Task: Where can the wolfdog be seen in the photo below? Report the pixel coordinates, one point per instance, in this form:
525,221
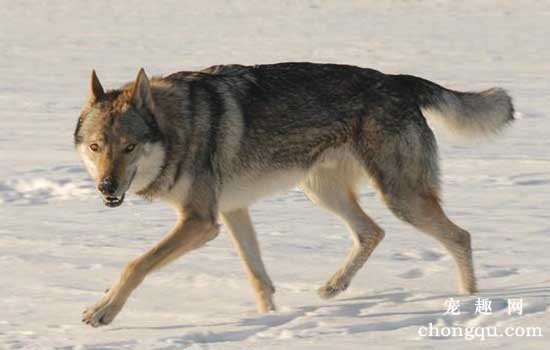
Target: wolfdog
212,142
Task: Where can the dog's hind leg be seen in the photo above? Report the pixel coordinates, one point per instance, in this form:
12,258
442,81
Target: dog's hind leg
334,190
242,232
403,165
425,213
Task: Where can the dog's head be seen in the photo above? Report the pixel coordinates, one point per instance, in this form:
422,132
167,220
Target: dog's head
118,138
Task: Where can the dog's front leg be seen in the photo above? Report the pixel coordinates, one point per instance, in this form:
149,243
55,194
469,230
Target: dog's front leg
190,233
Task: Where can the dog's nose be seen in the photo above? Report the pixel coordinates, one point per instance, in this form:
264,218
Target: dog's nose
107,186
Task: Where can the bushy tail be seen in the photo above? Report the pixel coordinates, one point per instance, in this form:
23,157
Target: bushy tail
468,114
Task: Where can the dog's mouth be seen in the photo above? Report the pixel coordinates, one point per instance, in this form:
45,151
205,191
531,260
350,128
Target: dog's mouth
113,201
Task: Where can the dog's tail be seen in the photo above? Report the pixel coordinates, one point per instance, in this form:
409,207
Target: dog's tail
467,114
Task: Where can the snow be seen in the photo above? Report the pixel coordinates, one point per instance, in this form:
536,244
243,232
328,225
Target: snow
60,247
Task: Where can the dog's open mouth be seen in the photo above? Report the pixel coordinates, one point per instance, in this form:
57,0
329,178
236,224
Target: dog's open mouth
113,201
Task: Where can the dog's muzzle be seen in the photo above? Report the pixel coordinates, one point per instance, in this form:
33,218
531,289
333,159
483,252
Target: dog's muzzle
113,201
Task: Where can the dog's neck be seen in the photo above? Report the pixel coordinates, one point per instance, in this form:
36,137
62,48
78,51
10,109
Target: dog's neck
151,169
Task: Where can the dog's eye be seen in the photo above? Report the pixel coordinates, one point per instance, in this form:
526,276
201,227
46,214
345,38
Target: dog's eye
94,147
130,148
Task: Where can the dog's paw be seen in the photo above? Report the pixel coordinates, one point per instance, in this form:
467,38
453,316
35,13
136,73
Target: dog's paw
103,312
330,290
468,289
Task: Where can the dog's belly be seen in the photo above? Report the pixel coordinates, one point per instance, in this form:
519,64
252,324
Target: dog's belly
242,191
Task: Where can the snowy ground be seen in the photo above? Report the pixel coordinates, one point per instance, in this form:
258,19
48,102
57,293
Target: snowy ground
60,248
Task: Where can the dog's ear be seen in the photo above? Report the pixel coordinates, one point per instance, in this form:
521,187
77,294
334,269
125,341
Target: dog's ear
96,90
141,94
